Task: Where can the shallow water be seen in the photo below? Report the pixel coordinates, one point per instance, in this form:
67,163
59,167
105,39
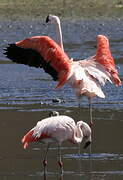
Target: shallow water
26,95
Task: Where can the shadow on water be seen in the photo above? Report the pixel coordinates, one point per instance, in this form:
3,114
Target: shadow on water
26,96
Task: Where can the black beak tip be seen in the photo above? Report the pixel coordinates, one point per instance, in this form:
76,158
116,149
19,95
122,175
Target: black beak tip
47,19
87,144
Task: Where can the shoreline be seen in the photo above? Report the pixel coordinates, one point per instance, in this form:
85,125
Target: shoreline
70,9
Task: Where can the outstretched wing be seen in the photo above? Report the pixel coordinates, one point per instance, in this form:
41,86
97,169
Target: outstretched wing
104,57
43,52
102,65
29,57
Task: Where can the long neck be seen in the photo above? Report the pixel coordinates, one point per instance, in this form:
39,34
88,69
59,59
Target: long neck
86,131
59,35
78,134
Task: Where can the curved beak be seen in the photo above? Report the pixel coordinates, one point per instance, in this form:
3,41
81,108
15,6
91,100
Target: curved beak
87,144
47,19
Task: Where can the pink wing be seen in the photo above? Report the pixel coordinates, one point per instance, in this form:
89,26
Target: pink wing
104,57
43,52
30,137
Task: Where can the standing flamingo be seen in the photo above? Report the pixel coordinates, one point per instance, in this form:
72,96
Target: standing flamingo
57,129
84,76
103,57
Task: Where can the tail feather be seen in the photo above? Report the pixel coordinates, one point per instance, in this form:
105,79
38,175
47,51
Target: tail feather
28,138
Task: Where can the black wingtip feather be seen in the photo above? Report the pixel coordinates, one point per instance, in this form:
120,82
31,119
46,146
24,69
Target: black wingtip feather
29,57
22,56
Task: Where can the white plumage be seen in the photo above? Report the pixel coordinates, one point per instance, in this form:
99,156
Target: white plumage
58,129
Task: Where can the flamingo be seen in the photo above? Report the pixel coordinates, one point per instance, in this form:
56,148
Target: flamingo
103,57
57,129
84,76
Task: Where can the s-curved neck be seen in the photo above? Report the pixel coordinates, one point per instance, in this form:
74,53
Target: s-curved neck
78,134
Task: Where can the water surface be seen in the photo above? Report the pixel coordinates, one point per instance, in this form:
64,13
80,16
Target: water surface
26,96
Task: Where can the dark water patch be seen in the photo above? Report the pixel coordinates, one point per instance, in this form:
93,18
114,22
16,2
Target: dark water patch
56,148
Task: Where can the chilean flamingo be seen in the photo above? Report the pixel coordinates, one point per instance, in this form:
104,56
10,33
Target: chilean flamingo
103,57
57,129
84,76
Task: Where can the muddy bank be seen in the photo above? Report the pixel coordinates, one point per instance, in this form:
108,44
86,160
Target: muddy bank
30,10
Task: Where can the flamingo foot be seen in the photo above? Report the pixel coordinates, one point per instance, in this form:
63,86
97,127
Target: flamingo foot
45,169
45,163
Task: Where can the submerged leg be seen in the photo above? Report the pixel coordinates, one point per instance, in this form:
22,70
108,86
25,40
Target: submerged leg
79,159
79,149
79,101
45,160
60,161
90,111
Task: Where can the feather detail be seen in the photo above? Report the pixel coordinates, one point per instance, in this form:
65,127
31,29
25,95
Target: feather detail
104,57
95,70
43,52
28,138
52,54
84,82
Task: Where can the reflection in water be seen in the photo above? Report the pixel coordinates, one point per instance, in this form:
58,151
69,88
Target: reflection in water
60,177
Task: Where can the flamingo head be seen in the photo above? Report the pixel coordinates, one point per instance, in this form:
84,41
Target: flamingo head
86,130
52,19
53,113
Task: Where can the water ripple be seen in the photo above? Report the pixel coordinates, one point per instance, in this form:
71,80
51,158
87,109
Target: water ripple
100,156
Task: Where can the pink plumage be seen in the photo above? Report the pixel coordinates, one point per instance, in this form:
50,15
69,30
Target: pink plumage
85,76
58,129
51,53
104,57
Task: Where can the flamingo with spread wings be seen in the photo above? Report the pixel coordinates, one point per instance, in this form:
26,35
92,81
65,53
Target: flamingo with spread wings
103,56
84,76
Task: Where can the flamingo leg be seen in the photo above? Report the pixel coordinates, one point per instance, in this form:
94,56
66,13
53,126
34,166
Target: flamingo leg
90,111
79,101
91,124
45,160
79,159
60,161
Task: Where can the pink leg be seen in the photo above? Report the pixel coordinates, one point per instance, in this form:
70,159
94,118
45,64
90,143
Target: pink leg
60,161
45,160
90,110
